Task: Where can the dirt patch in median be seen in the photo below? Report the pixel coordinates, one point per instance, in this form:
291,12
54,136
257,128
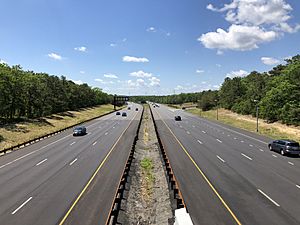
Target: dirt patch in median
147,199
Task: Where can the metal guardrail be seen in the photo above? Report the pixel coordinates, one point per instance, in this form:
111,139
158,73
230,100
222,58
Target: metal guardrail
113,215
24,144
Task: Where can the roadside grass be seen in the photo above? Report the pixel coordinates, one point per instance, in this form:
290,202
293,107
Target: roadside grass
16,133
272,130
148,177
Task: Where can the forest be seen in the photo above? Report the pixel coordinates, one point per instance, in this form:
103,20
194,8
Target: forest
276,93
26,94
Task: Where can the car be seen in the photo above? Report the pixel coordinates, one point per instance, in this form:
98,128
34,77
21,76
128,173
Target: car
80,130
177,118
118,113
136,109
124,114
285,147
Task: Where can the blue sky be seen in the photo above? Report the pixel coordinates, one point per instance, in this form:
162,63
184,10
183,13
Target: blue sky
138,47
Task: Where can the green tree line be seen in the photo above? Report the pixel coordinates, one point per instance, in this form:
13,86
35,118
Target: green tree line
25,94
276,93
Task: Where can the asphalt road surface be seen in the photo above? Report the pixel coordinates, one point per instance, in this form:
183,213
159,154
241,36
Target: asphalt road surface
50,181
228,175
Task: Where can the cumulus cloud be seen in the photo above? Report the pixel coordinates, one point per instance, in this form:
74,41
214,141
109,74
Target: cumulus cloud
82,72
238,73
55,56
2,61
151,29
154,81
77,81
103,82
113,45
238,37
110,75
134,59
253,22
141,74
269,60
200,71
138,83
81,49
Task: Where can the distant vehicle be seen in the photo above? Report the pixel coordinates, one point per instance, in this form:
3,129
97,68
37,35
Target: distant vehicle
124,114
81,130
128,108
285,147
136,109
183,108
178,118
118,113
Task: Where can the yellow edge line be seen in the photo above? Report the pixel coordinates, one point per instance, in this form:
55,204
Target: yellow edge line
203,175
95,173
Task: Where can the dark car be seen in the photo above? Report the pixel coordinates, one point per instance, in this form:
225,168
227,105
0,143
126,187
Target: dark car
118,113
178,118
124,114
79,131
285,147
136,109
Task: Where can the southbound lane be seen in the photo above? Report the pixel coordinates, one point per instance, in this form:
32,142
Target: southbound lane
258,186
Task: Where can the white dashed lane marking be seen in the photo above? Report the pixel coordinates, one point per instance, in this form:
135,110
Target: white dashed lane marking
275,156
41,162
199,142
275,203
222,160
246,156
94,143
73,162
219,140
291,163
73,143
22,205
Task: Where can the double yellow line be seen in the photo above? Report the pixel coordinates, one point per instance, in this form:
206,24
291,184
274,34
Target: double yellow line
203,175
93,176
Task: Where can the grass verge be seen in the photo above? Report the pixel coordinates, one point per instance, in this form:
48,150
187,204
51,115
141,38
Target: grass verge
272,130
148,177
16,133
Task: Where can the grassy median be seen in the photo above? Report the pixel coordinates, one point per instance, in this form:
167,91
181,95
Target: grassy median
16,133
272,130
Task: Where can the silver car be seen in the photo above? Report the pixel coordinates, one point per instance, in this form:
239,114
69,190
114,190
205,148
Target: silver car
285,147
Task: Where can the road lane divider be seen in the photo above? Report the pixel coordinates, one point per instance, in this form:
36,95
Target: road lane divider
275,156
246,156
94,175
39,163
298,186
200,142
201,172
94,143
73,143
222,160
21,206
264,194
219,140
291,163
71,163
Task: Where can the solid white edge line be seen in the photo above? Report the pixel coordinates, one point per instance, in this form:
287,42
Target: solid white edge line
275,203
24,203
291,163
246,156
199,142
94,143
39,163
219,140
220,159
73,162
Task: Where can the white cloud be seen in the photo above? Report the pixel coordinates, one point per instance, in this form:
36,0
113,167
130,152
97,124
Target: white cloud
82,72
104,82
151,29
98,80
55,56
200,71
269,60
218,65
134,59
3,62
154,81
109,75
179,87
239,73
135,84
113,45
141,74
253,22
77,81
81,49
238,37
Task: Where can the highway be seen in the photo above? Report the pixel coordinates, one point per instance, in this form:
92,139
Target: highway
228,175
65,179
